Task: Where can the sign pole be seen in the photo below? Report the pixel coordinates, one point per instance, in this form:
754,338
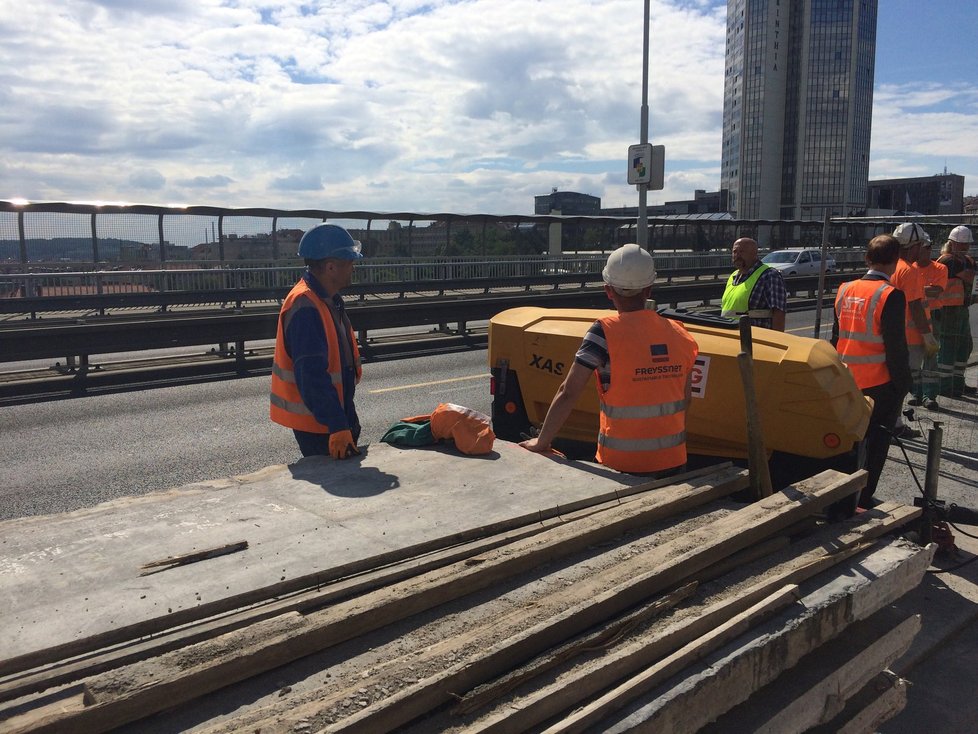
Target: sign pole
642,238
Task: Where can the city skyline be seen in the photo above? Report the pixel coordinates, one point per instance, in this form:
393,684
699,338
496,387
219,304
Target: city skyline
423,106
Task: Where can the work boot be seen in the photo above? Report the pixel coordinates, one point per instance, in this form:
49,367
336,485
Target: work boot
915,401
931,404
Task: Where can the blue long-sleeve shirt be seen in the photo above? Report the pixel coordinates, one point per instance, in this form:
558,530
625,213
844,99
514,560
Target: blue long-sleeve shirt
305,342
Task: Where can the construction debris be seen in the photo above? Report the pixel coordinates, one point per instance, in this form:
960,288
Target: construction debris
655,607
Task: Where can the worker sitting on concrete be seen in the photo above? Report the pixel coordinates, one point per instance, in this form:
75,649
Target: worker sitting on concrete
317,361
754,288
870,335
642,364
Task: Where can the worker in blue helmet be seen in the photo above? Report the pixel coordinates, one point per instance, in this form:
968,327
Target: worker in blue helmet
317,361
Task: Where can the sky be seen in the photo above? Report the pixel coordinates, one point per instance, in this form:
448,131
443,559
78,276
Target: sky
465,106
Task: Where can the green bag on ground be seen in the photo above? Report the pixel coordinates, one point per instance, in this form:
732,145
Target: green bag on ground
409,434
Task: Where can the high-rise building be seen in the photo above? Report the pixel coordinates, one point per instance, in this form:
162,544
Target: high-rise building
797,107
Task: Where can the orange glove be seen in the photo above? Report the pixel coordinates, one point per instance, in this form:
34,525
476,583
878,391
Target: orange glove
342,445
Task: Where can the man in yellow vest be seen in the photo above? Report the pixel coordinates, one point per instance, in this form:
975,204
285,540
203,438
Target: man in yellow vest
869,333
317,362
642,364
956,342
754,289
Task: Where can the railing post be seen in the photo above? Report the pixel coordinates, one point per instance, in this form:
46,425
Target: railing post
821,277
275,239
95,245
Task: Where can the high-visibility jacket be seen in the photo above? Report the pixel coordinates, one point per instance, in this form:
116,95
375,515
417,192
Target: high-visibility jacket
955,293
736,298
643,410
859,308
908,280
287,408
933,273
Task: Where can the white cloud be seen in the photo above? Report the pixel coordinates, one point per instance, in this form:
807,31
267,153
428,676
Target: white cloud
465,105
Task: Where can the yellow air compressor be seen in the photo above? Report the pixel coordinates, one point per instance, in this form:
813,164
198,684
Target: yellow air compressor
811,412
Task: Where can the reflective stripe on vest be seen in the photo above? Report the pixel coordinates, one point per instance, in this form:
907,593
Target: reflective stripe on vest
736,298
642,444
954,293
633,412
858,306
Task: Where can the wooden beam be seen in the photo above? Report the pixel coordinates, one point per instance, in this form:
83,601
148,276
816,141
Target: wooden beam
655,570
721,682
139,690
814,691
520,526
834,545
49,672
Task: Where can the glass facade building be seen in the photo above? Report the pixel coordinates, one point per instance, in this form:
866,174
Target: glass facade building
797,108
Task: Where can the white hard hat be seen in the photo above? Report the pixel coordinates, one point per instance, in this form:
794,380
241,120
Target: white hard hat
910,233
629,268
961,234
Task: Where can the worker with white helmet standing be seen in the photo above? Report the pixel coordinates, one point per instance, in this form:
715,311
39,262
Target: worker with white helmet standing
920,338
643,366
956,342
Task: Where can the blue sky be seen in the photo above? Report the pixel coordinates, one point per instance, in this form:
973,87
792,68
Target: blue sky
419,105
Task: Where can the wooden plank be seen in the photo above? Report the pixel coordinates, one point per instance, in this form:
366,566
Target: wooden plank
728,677
195,557
816,689
536,521
606,636
656,569
760,472
54,673
834,545
136,691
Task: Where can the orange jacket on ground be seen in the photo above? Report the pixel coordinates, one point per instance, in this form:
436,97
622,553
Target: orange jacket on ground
287,408
643,411
469,429
859,308
908,280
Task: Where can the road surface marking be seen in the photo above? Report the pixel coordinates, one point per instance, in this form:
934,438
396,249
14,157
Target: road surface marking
428,384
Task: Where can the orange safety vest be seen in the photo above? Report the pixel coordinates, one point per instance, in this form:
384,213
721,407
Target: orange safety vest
934,273
643,410
954,294
859,307
908,280
286,407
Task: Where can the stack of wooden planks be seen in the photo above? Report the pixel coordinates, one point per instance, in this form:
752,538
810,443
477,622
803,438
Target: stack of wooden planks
668,608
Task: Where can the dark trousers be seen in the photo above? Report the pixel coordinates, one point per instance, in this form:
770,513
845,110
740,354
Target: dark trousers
887,402
317,444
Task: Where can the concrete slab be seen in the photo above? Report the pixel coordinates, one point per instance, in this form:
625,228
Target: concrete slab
63,577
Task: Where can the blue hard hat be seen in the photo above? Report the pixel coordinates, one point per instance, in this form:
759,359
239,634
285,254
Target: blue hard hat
328,240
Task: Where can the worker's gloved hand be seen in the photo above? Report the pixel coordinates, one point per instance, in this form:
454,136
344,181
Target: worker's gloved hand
342,445
930,344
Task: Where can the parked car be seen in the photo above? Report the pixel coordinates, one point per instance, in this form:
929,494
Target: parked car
799,261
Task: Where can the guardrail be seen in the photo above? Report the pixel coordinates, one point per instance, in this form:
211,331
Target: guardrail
76,340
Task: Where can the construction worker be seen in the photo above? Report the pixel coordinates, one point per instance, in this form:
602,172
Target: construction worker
956,343
317,362
934,278
870,335
920,340
642,364
754,288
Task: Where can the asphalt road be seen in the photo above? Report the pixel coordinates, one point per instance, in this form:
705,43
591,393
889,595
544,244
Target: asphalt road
68,454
